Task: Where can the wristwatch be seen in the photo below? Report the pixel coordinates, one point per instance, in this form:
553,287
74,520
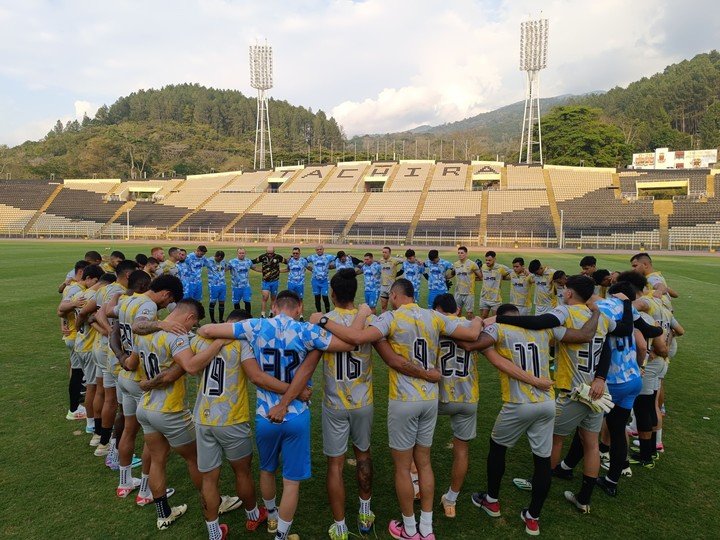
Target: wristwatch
323,321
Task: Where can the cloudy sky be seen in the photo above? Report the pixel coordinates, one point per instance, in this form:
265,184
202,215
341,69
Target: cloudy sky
376,65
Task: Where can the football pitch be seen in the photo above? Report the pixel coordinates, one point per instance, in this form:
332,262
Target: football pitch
51,485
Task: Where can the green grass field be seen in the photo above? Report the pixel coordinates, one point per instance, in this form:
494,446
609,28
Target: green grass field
51,486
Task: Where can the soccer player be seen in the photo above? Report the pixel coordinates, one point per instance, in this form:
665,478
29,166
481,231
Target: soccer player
466,272
217,266
115,258
194,264
270,262
588,265
437,271
492,274
542,278
413,270
91,257
345,260
297,267
414,334
141,260
371,271
643,265
280,345
240,280
320,264
388,265
158,254
459,393
557,287
520,282
151,266
170,266
603,279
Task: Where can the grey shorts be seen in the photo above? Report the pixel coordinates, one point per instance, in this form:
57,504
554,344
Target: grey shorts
411,423
465,302
570,415
130,393
651,378
109,379
522,310
341,425
486,304
87,364
234,441
535,419
178,427
663,372
75,360
100,356
463,419
539,310
385,291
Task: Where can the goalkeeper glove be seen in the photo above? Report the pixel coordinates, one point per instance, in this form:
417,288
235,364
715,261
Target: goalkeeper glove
603,404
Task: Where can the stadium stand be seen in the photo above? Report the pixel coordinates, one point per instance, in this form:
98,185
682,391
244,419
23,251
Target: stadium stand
410,176
22,198
449,177
386,213
449,214
696,178
519,177
346,176
571,182
271,213
308,180
519,213
196,189
327,213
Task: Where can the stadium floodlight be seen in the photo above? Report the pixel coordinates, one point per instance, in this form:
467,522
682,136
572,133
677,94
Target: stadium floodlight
533,58
261,79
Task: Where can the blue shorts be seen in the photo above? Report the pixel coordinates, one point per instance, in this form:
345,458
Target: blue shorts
431,296
291,439
624,394
320,287
218,292
193,290
241,293
271,286
297,288
371,298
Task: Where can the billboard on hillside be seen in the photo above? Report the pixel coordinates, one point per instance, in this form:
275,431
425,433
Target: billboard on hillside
663,158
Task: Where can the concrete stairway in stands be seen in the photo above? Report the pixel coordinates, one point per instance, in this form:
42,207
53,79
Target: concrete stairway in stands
421,205
44,207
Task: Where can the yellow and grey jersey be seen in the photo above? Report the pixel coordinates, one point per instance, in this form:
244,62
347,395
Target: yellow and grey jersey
347,376
388,270
86,334
459,383
68,320
156,353
168,267
222,398
414,333
530,351
559,294
661,316
520,289
107,268
128,309
465,276
576,362
492,277
656,278
543,292
106,295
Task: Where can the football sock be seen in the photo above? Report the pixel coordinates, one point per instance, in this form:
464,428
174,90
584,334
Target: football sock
341,526
236,305
212,314
125,476
254,514
145,486
90,422
326,301
495,469
410,525
604,447
262,314
575,453
542,476
271,507
105,433
214,532
564,467
653,439
317,303
616,421
283,528
658,436
426,523
97,425
74,388
646,449
364,506
162,507
586,489
451,496
221,311
248,308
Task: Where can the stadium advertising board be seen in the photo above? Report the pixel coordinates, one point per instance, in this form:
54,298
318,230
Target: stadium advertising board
663,158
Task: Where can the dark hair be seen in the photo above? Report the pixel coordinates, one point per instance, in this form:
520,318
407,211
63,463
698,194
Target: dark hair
340,254
92,271
368,254
583,286
193,304
490,253
409,253
118,254
446,302
433,254
173,250
403,286
344,284
125,267
287,299
152,260
107,277
588,260
141,259
625,287
237,315
139,281
558,274
519,260
462,248
169,283
636,280
599,275
81,265
202,248
534,266
388,248
93,256
220,253
507,309
642,255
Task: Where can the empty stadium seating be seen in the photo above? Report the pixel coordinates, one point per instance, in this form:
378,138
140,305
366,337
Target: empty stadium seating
308,180
410,176
271,214
327,213
696,178
449,177
346,176
388,213
75,203
519,212
450,214
519,177
571,182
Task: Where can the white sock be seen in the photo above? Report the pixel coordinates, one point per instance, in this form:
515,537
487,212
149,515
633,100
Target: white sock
564,467
90,422
145,486
214,532
527,515
414,477
262,313
658,436
451,496
254,514
283,528
364,506
426,523
125,476
490,499
271,508
410,525
341,526
113,454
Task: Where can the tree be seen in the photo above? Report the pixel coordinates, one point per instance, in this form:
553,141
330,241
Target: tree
710,127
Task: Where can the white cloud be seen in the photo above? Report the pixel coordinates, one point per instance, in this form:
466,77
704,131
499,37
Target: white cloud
83,108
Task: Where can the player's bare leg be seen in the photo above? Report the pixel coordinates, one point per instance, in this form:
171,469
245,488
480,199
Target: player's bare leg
557,447
336,486
264,301
461,453
210,494
484,313
364,476
421,456
189,453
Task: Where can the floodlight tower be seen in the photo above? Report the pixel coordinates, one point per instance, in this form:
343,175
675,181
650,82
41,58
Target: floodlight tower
261,78
533,58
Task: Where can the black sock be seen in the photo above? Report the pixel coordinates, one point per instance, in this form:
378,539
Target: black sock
119,426
575,453
616,421
588,483
105,433
74,388
542,476
495,468
317,303
236,305
653,441
212,312
326,301
646,449
98,426
221,311
248,308
162,507
604,447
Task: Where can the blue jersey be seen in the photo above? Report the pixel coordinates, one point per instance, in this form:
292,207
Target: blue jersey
280,345
321,266
372,273
216,271
413,272
296,270
182,271
240,272
436,274
339,265
194,266
623,362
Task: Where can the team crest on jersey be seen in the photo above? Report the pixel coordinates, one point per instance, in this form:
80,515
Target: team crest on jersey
145,312
180,342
